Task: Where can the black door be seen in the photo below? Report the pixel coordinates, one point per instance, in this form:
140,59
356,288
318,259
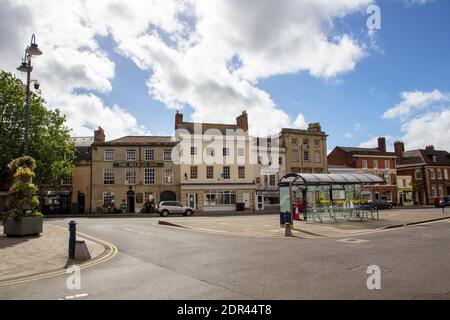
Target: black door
130,201
81,204
168,196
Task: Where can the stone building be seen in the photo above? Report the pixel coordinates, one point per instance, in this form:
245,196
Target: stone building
131,170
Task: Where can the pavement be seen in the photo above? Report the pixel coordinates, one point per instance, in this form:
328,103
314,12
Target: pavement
160,262
268,225
23,257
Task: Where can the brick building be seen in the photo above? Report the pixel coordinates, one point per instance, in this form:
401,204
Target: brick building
370,160
429,169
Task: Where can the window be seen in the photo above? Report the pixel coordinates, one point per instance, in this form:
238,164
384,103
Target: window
241,172
295,156
439,174
241,152
108,176
445,174
434,158
316,142
404,183
108,197
210,152
210,198
227,197
375,164
318,158
66,181
167,155
306,155
364,163
149,175
280,161
270,180
433,191
130,155
441,191
418,175
305,142
130,176
432,174
294,141
226,172
149,155
109,155
168,176
387,164
226,152
194,172
209,172
193,151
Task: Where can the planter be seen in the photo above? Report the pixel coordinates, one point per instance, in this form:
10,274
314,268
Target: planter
26,226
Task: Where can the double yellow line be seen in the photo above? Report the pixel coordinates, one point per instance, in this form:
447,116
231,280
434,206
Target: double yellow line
111,251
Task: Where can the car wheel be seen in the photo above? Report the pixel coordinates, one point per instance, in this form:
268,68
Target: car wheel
188,213
164,213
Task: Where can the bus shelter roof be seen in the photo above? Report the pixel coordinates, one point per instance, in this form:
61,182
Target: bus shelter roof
330,179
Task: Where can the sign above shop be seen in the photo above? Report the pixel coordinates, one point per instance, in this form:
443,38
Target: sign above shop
138,164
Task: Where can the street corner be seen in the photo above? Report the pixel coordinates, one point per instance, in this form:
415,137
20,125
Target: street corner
33,258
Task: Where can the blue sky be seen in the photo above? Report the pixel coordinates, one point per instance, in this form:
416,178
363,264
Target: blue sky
128,66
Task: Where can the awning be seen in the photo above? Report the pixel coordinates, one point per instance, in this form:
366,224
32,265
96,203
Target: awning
330,179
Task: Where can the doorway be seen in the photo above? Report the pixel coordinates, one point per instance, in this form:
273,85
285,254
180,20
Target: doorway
81,202
192,200
246,199
168,196
130,201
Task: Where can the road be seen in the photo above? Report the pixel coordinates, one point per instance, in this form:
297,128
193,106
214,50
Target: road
160,262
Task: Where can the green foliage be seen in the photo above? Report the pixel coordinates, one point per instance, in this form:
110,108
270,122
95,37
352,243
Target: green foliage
22,201
49,137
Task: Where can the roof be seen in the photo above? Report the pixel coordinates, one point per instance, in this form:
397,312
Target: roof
82,141
191,126
424,156
331,179
140,140
355,149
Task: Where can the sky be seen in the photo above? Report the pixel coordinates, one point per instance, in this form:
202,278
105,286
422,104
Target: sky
127,66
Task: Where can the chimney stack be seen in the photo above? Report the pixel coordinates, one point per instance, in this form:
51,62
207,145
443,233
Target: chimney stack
429,148
314,127
382,144
399,148
178,119
99,135
242,121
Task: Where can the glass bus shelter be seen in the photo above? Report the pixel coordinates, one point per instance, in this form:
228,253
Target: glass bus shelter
325,196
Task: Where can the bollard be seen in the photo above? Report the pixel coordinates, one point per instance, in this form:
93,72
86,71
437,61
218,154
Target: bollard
72,238
287,230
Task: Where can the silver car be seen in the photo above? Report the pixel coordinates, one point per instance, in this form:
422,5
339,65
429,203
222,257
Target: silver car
169,207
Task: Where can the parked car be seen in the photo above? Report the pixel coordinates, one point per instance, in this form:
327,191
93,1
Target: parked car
170,207
444,201
378,204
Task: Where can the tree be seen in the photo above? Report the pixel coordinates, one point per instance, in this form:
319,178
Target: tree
50,143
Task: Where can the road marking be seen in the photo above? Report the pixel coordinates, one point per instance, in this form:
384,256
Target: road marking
138,232
81,295
352,240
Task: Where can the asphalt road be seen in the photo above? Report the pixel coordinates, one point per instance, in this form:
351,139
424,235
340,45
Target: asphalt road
159,262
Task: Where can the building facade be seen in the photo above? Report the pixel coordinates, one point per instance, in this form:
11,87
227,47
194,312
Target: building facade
370,160
216,170
429,170
131,170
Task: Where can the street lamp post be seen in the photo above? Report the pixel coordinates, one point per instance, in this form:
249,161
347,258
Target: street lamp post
25,66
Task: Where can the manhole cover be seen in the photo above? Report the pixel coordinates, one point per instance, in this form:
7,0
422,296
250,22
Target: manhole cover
363,268
352,240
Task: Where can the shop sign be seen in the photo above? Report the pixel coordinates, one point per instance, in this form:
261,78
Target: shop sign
138,164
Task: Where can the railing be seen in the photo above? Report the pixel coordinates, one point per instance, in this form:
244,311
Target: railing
335,213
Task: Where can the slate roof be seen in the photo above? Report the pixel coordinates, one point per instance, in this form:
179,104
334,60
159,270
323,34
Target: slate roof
139,141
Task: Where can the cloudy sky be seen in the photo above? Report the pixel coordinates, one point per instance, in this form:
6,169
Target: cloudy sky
129,65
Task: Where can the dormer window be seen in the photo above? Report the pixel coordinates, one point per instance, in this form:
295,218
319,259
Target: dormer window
433,157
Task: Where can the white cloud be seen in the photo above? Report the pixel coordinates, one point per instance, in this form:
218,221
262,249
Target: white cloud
415,100
373,142
187,47
349,135
300,122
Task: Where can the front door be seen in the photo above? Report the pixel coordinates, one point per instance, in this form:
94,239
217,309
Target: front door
130,201
260,202
246,199
192,200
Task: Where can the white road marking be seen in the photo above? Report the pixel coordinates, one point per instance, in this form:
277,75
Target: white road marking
351,240
81,295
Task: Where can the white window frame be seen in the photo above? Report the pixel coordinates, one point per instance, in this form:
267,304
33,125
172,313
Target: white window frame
66,181
241,152
110,176
166,180
111,196
364,164
128,153
191,171
228,175
387,164
128,177
212,172
110,152
225,152
165,153
210,152
438,174
149,176
193,151
446,174
149,154
241,169
432,174
418,174
305,155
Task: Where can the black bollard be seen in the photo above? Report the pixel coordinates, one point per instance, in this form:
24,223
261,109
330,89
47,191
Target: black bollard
72,238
